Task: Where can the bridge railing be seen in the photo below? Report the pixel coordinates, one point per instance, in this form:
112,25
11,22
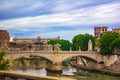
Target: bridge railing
49,52
6,75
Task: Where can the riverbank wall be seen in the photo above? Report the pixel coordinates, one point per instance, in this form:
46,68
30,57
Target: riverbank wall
103,71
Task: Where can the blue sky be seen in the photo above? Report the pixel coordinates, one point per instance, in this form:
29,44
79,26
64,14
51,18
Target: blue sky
52,18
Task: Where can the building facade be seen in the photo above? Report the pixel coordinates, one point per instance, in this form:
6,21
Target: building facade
116,30
4,39
33,40
33,43
98,31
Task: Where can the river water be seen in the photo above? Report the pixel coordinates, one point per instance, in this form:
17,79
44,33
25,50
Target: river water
38,67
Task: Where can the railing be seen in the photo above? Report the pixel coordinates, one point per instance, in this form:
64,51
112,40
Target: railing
49,52
6,75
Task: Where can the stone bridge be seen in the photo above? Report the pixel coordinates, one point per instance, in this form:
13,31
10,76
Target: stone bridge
56,57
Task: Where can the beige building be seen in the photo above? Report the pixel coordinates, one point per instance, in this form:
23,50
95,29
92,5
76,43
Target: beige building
25,43
100,30
116,30
33,40
4,39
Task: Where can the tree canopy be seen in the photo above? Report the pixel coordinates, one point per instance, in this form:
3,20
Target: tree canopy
81,41
38,43
107,43
65,44
116,43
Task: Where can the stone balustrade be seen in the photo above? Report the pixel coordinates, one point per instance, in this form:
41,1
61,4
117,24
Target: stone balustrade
6,75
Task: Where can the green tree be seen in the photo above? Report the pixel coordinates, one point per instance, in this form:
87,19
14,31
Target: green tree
30,47
12,44
53,42
115,45
38,43
66,62
105,42
81,41
3,63
65,44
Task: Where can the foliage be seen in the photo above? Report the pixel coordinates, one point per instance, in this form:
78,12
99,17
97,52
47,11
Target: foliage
12,44
38,43
30,46
65,44
66,62
53,42
81,41
116,43
3,63
106,42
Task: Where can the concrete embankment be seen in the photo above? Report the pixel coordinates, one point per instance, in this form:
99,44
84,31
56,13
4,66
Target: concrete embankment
98,70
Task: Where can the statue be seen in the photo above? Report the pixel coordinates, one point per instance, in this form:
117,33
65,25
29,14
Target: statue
90,45
57,47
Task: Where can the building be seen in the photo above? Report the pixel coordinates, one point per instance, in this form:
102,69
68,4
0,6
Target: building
33,40
4,39
116,30
100,30
25,43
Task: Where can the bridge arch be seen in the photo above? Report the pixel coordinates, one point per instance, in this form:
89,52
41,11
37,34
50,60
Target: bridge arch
28,55
86,56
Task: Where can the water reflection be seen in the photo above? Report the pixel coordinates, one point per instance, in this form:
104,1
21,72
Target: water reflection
69,70
42,72
38,67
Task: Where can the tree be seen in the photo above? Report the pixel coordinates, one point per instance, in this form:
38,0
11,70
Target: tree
30,47
105,42
3,63
12,44
53,42
115,45
65,44
81,41
66,62
38,43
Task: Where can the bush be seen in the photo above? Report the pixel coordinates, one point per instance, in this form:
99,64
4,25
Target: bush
3,63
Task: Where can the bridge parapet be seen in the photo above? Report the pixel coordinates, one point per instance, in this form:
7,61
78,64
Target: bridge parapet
62,52
6,75
53,56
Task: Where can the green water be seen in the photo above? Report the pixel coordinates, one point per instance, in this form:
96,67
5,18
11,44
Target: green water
38,67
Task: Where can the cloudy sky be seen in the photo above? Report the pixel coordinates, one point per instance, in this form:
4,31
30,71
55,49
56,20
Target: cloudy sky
52,18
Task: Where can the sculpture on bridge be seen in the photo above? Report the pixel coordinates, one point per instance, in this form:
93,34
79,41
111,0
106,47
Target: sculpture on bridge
57,47
50,47
90,45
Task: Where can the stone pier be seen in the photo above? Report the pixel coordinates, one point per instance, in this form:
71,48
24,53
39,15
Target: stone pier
54,67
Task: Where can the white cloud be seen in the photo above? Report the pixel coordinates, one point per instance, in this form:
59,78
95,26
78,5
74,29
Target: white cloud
102,14
64,5
33,7
5,6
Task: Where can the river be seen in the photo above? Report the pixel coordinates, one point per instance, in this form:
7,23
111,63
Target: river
38,66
